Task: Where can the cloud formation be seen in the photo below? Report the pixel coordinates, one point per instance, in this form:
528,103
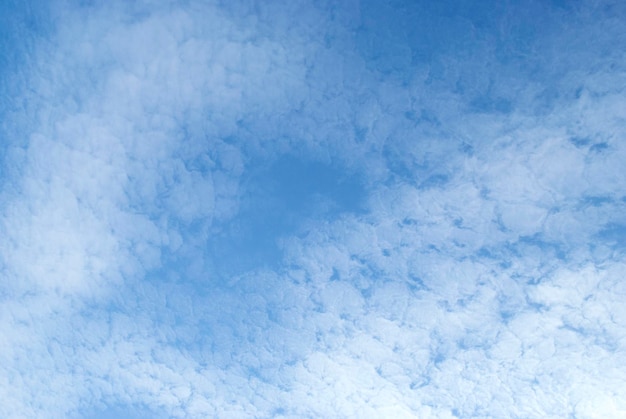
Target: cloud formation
336,209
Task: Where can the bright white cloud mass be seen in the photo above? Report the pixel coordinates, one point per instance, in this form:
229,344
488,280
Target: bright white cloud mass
372,209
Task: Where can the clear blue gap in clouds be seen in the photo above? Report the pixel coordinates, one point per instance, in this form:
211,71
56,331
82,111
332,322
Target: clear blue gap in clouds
22,26
312,209
277,198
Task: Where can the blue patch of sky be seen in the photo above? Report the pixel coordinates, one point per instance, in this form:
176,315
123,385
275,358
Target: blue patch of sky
580,142
614,235
597,201
22,26
599,147
277,197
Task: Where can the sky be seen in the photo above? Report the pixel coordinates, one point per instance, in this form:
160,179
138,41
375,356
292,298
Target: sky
303,209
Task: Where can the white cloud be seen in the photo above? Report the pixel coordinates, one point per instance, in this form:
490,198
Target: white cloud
481,281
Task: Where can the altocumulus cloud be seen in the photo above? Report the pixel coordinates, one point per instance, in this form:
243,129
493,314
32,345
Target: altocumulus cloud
313,209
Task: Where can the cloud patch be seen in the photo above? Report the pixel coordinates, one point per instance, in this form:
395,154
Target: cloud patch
394,209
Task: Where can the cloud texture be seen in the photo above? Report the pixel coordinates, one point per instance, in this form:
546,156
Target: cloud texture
313,209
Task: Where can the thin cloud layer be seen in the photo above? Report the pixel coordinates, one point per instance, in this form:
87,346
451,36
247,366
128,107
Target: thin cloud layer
337,209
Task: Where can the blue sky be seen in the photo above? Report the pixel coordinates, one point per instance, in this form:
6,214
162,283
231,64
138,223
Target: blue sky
312,209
